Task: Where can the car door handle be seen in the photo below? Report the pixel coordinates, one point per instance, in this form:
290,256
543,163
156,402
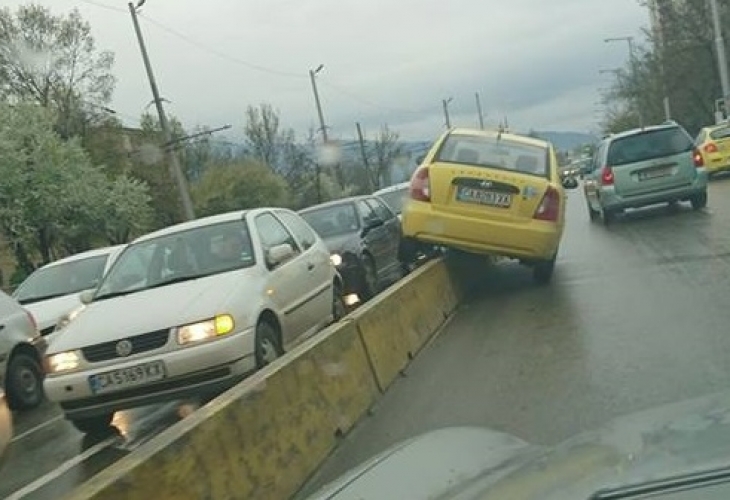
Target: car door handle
310,266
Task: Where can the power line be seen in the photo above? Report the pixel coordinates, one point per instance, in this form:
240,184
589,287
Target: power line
104,6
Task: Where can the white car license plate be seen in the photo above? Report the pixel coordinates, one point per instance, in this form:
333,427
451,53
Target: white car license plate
482,197
654,174
124,378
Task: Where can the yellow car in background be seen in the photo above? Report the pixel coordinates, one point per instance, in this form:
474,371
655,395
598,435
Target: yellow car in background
713,144
489,192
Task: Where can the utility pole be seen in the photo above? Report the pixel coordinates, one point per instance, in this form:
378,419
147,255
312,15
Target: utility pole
312,77
479,111
173,162
445,103
721,57
634,71
364,154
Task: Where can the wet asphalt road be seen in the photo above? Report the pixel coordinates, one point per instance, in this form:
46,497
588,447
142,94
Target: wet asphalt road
637,316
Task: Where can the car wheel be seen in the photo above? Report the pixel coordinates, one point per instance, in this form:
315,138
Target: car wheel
699,201
339,309
97,424
369,285
24,382
542,272
608,217
266,346
593,214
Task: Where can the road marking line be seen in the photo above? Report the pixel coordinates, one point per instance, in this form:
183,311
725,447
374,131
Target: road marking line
36,428
62,469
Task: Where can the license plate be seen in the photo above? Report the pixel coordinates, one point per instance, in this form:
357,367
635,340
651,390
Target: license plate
125,378
653,174
482,197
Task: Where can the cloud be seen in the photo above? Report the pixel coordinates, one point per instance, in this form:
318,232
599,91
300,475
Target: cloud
386,61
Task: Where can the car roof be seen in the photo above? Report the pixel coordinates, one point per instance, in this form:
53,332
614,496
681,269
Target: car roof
639,130
201,222
533,141
84,255
394,187
332,203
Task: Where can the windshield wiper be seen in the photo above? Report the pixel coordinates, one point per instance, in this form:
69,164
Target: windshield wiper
169,281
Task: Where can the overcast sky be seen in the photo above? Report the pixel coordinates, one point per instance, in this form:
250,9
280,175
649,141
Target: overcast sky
385,61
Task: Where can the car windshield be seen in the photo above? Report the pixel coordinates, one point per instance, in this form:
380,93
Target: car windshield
395,199
647,145
61,279
333,220
179,256
502,153
720,133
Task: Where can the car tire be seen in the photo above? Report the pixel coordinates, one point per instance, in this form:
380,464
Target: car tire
608,217
339,309
542,272
24,382
699,201
98,424
593,214
267,346
369,285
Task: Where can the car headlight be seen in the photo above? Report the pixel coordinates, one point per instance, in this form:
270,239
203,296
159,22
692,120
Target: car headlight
205,330
67,318
336,259
62,362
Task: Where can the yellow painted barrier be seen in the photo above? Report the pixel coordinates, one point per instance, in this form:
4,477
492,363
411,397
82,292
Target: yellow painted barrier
395,325
263,438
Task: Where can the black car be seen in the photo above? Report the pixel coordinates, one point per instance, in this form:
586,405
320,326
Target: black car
363,236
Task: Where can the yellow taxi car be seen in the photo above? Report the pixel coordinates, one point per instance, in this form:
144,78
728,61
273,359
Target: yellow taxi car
713,144
489,192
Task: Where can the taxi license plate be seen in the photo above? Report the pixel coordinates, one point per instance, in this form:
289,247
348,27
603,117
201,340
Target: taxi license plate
125,378
482,197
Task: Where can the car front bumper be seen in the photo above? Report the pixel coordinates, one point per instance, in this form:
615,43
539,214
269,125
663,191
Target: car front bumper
610,200
205,368
530,239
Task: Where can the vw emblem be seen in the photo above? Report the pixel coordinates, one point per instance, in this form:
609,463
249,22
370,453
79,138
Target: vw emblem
485,184
124,348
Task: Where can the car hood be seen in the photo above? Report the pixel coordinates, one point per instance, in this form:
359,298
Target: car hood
47,312
154,309
654,444
345,243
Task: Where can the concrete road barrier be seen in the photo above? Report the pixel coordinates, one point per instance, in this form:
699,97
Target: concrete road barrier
264,438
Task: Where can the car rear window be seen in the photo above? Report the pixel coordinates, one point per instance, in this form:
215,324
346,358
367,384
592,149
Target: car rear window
647,145
720,133
503,153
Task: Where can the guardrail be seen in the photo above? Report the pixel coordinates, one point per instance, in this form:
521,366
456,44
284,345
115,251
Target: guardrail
266,436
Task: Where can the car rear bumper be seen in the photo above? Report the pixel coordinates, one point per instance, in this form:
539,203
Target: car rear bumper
531,239
206,368
611,200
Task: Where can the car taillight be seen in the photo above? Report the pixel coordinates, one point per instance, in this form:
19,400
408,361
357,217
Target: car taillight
710,148
697,158
420,186
606,176
549,207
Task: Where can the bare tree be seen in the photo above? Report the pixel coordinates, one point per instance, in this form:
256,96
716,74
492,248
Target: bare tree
263,134
382,153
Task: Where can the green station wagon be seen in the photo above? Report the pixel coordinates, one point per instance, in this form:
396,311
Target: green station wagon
646,166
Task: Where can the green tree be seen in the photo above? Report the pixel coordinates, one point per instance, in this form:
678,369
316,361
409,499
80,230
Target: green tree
237,186
53,60
53,200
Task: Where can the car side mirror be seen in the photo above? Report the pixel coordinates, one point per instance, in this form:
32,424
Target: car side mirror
570,182
87,296
372,224
279,254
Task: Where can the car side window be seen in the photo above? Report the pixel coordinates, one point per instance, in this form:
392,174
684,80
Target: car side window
273,233
299,227
366,212
380,209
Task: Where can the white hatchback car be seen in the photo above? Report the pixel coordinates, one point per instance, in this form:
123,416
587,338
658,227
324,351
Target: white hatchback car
52,292
190,310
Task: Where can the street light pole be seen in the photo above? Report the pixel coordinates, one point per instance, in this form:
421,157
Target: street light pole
174,164
721,57
445,103
479,111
